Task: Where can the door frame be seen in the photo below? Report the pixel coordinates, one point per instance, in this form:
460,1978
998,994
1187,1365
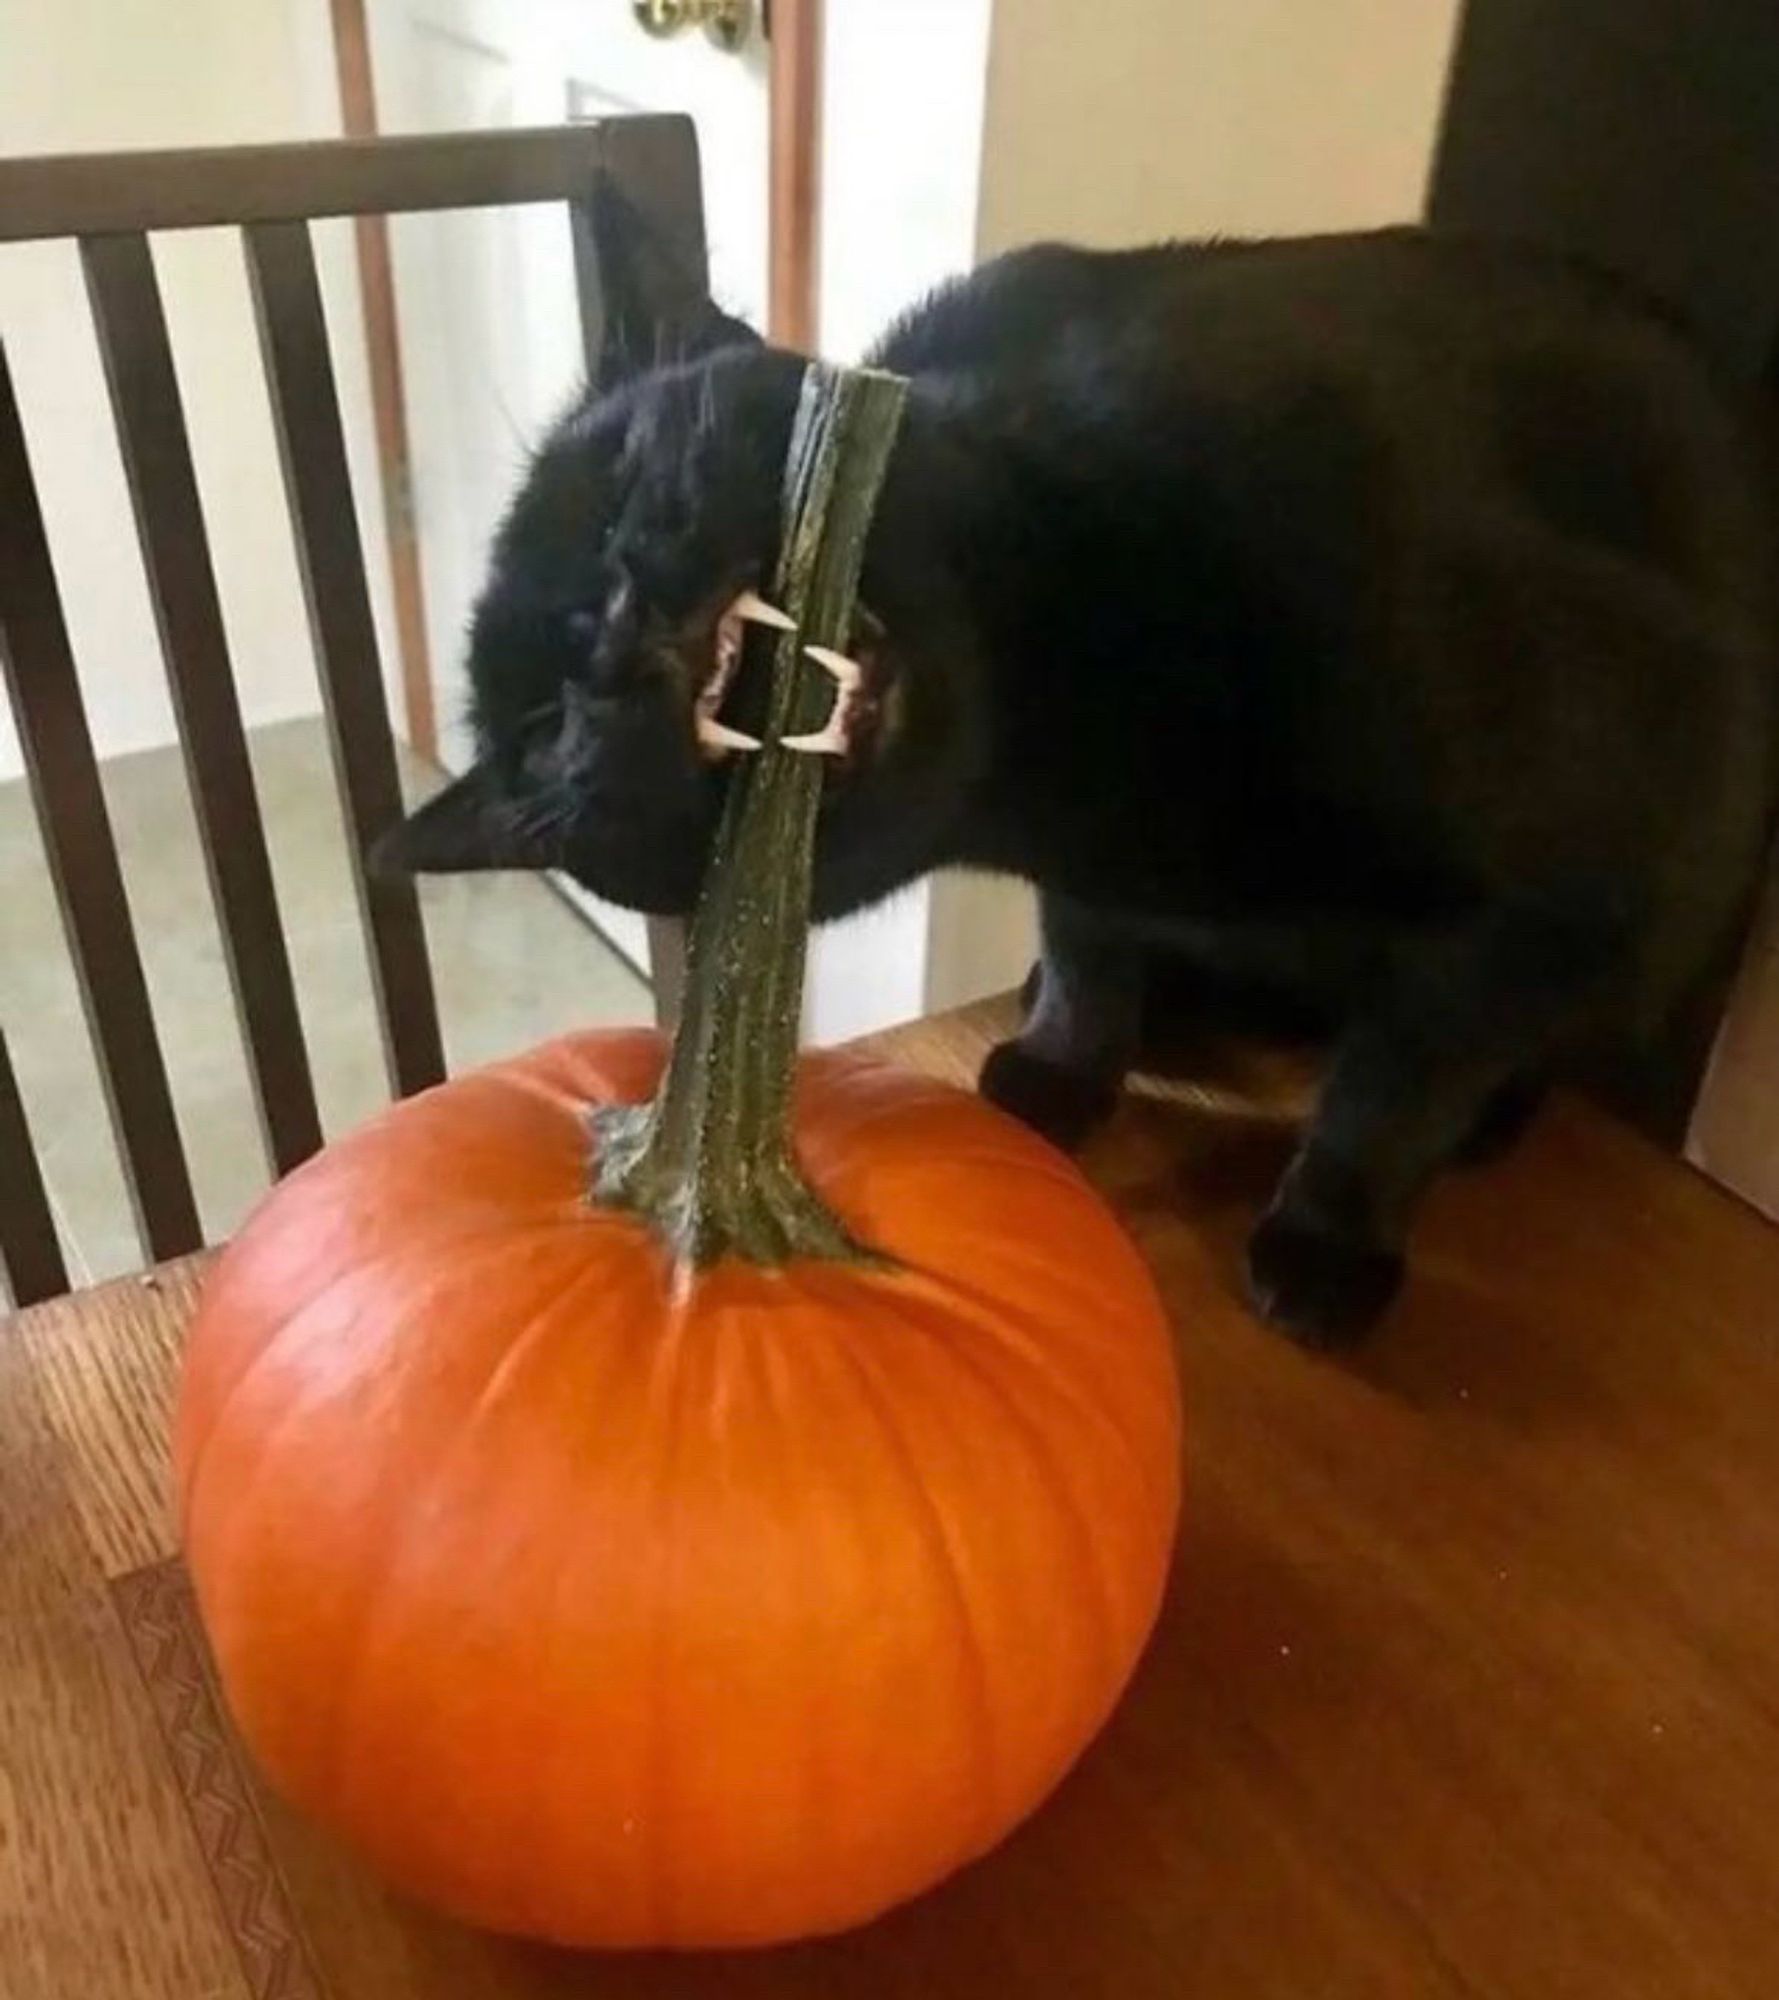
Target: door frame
794,163
389,410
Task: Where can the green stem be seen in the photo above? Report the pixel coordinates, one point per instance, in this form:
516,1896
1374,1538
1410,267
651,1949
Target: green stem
709,1164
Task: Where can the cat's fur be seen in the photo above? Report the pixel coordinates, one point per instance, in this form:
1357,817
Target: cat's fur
1383,622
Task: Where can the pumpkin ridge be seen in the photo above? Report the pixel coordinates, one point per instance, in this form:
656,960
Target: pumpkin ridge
413,1520
377,1265
1038,1449
517,1075
1027,1155
945,1563
525,1344
659,1754
815,1775
1059,1174
830,1081
220,1410
523,1856
999,1317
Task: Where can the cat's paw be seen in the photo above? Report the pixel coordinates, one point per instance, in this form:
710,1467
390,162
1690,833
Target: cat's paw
1322,1288
1060,1104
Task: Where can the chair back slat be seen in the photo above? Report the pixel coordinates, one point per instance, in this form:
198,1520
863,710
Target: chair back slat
145,400
205,187
110,205
30,1254
70,805
312,453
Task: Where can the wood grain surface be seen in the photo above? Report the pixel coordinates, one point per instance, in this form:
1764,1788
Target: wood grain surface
1468,1681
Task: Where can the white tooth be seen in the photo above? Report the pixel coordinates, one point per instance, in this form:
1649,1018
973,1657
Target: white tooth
714,735
753,607
846,671
833,741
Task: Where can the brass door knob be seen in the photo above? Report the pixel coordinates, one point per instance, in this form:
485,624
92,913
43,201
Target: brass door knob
725,22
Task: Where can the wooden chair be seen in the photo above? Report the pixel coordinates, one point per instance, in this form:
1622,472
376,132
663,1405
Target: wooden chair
109,205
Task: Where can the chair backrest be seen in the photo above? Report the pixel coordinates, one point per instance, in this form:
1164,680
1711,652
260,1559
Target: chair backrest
109,205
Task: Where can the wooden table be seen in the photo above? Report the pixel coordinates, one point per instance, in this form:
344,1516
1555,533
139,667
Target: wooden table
1468,1682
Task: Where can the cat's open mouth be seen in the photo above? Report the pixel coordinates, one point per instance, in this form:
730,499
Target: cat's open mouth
852,720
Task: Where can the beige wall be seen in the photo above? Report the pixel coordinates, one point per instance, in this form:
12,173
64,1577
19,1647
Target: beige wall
1122,121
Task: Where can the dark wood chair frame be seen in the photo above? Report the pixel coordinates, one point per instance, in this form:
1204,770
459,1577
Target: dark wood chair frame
109,204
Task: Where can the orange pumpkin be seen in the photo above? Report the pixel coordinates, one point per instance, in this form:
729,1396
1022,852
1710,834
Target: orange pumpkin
699,1518
611,1615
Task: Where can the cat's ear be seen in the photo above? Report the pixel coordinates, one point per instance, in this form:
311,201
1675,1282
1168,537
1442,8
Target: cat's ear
473,825
656,311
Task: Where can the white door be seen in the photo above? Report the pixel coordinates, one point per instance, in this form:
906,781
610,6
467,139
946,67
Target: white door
490,332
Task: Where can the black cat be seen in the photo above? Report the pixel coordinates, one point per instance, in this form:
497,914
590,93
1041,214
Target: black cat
1386,624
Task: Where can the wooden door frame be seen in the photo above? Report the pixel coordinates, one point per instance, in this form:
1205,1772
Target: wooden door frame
794,149
794,29
389,409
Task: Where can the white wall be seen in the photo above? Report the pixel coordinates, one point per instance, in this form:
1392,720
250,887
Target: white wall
1134,120
902,112
903,103
80,75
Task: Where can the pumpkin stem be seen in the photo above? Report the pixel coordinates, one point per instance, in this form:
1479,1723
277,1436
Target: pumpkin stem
709,1164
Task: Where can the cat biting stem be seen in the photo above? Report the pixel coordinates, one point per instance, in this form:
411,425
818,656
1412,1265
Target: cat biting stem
1380,626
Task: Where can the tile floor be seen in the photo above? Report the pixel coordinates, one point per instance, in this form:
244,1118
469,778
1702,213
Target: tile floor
512,962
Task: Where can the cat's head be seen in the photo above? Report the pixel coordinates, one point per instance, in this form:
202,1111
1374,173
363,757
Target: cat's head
607,623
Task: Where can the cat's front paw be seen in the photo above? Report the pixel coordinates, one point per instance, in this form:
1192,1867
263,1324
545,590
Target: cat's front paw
1063,1105
1322,1288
